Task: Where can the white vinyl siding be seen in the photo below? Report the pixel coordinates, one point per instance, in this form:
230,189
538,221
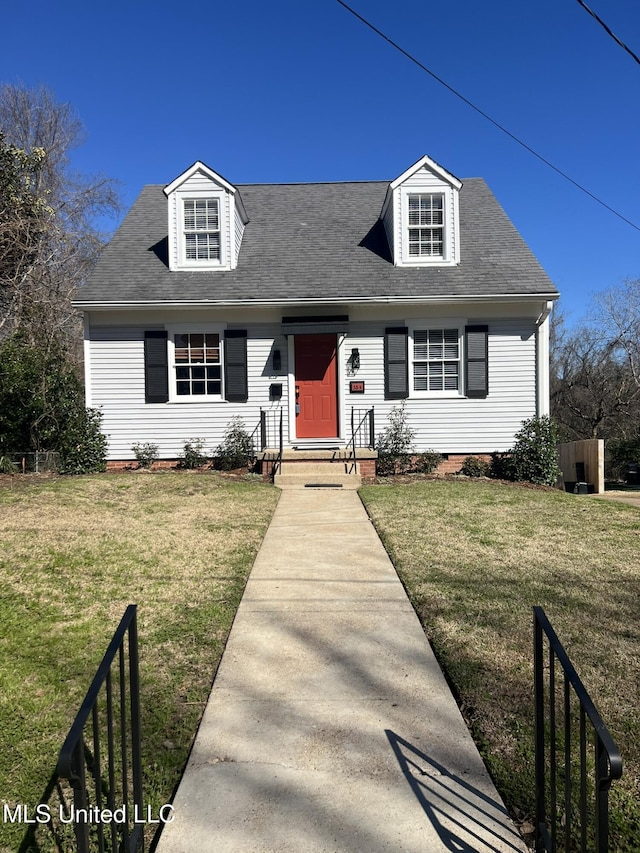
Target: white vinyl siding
117,379
453,423
238,234
447,423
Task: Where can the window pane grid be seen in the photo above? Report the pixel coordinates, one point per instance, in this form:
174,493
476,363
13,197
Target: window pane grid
197,364
436,360
202,229
426,225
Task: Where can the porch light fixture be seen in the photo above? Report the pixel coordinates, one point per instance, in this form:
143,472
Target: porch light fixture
277,361
355,358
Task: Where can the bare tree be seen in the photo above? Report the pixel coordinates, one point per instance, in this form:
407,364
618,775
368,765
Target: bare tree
54,235
617,312
49,241
595,391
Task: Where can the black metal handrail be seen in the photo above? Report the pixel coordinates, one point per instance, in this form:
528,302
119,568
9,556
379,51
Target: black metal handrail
258,436
356,436
556,823
266,433
123,765
270,430
278,463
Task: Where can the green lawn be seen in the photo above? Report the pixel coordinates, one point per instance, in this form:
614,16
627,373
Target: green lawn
475,557
74,552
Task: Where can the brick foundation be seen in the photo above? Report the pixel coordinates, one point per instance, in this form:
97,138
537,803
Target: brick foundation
451,465
132,465
454,461
367,468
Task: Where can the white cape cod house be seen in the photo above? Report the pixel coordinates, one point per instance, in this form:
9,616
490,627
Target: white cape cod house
313,300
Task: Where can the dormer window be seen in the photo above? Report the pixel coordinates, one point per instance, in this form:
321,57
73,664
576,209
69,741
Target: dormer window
206,219
202,229
426,225
420,215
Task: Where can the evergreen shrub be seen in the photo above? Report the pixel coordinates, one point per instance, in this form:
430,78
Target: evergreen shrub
146,454
236,447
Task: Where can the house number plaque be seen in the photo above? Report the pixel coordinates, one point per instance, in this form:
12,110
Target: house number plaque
356,387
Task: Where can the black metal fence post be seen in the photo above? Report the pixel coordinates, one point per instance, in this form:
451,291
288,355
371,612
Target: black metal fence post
539,731
263,429
78,763
578,806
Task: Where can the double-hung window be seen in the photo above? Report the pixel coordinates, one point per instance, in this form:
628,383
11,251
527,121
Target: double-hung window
197,364
437,360
202,229
426,225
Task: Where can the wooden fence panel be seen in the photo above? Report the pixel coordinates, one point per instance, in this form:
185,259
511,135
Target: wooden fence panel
590,454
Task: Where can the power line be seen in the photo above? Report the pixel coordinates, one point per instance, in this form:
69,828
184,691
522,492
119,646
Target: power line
488,117
608,31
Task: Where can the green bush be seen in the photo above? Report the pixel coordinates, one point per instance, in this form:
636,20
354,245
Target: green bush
474,466
236,448
8,466
84,445
426,462
193,455
396,448
501,466
534,455
42,406
395,444
146,454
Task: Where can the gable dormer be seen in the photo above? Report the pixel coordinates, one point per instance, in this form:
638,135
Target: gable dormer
206,221
421,218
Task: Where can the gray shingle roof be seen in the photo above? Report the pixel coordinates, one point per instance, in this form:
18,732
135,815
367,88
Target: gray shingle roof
316,241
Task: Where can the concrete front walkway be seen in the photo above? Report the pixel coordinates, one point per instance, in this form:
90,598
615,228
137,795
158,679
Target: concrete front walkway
632,498
330,726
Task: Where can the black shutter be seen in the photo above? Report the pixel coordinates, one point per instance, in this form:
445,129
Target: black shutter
236,384
156,371
396,370
477,361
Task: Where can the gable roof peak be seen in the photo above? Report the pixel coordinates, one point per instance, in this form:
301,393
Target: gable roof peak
201,167
426,162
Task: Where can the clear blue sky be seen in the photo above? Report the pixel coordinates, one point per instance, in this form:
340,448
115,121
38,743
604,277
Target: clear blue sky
299,90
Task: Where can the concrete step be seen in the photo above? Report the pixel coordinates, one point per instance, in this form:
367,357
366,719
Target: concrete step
317,473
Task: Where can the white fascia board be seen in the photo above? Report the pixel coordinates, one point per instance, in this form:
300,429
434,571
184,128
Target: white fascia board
199,166
436,168
285,303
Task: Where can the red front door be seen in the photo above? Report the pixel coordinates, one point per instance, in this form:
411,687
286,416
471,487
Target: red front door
316,386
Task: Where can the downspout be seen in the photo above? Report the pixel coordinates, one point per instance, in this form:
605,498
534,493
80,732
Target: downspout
88,388
542,360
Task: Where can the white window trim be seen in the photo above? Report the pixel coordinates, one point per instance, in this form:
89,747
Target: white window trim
205,328
450,217
210,263
437,323
425,260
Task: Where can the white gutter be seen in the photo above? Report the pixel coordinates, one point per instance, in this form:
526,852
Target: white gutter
270,303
